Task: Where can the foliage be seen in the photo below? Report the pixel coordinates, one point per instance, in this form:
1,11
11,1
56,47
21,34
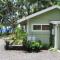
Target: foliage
51,39
18,36
12,10
25,42
32,45
35,45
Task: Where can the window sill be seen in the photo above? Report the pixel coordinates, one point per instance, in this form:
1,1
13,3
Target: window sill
40,30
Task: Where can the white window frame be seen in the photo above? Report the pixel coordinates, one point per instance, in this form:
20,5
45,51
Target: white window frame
41,28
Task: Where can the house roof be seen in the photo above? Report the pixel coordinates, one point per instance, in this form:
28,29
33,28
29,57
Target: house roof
38,13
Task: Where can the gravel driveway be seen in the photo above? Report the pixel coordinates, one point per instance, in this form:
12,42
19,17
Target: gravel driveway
22,55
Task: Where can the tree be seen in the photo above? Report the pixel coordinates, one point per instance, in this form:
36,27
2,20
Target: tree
12,11
7,13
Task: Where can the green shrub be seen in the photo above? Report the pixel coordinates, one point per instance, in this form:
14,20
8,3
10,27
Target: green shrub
32,45
18,36
13,38
19,33
24,42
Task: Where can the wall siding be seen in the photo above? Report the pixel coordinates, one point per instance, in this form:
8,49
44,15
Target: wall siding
44,18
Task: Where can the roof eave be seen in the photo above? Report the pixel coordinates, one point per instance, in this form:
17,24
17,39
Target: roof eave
38,13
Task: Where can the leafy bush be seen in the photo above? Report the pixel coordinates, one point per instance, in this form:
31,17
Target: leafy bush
24,41
32,45
19,33
18,36
35,45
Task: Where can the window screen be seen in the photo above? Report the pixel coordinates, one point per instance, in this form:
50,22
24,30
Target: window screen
36,27
45,27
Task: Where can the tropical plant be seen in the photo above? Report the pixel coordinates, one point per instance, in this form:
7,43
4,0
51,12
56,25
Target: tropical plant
32,45
18,36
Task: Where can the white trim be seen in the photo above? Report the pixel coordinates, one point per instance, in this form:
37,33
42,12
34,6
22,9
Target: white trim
41,28
38,13
55,22
56,36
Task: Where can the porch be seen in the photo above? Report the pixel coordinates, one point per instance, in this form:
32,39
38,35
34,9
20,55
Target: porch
56,33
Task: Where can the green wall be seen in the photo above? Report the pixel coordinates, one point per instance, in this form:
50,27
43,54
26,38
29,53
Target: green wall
44,18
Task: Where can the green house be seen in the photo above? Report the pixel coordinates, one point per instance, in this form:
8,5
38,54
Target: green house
37,25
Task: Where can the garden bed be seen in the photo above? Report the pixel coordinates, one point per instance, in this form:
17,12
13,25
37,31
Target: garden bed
27,46
10,46
13,47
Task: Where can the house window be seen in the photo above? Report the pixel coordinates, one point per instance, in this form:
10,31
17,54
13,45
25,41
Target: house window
41,27
36,27
45,27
